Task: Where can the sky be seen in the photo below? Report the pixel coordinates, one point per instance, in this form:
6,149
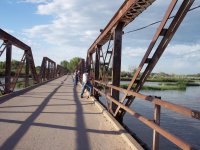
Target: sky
64,29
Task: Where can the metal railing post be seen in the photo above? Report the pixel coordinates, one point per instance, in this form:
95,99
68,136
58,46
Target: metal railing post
8,67
116,69
157,109
97,61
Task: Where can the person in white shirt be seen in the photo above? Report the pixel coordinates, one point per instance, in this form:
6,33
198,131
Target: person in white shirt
86,84
85,77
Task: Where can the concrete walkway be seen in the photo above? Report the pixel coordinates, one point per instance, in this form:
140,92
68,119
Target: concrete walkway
54,117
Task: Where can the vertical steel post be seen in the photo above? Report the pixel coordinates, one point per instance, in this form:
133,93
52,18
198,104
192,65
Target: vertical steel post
44,73
89,64
54,70
48,70
8,67
116,70
155,145
27,72
51,70
49,67
97,61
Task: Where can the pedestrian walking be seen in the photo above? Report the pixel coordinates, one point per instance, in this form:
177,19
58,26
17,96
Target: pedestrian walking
86,84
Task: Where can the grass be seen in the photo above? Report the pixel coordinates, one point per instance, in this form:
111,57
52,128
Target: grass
166,79
21,85
166,83
180,85
161,87
164,87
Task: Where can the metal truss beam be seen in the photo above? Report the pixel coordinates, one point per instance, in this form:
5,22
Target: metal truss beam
60,70
48,69
13,40
151,62
129,10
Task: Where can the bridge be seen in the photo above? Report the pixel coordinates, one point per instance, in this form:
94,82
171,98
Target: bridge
49,112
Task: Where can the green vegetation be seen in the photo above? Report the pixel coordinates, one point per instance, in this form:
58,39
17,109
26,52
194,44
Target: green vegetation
14,66
165,87
21,84
175,85
166,81
71,65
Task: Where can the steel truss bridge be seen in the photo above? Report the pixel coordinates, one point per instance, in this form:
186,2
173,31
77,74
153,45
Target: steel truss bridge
100,60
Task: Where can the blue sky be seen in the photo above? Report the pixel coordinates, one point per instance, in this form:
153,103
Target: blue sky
63,29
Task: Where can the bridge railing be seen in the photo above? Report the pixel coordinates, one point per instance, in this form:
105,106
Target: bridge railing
155,122
105,63
105,89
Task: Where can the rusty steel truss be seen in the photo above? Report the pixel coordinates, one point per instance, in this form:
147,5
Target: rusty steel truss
129,10
99,62
47,71
60,71
81,66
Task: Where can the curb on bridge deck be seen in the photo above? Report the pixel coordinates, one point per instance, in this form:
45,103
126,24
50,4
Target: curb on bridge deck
53,116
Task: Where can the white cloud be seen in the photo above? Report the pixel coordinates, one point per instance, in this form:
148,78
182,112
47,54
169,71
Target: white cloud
177,58
183,51
133,52
34,1
36,30
55,7
75,25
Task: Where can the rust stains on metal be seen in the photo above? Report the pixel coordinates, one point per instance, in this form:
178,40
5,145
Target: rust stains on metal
129,10
166,30
13,40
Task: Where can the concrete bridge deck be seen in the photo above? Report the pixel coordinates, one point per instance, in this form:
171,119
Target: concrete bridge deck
54,117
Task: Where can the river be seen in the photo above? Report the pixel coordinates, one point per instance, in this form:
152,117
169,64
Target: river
184,127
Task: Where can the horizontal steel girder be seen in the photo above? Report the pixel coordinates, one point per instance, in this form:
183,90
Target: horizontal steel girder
129,10
14,41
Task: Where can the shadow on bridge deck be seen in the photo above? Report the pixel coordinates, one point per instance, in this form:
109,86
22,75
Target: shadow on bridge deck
53,116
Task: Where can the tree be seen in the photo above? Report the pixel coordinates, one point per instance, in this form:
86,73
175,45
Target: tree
65,64
38,69
70,66
2,65
15,64
73,63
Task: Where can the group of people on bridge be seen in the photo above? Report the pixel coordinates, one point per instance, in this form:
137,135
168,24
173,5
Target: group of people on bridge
86,84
